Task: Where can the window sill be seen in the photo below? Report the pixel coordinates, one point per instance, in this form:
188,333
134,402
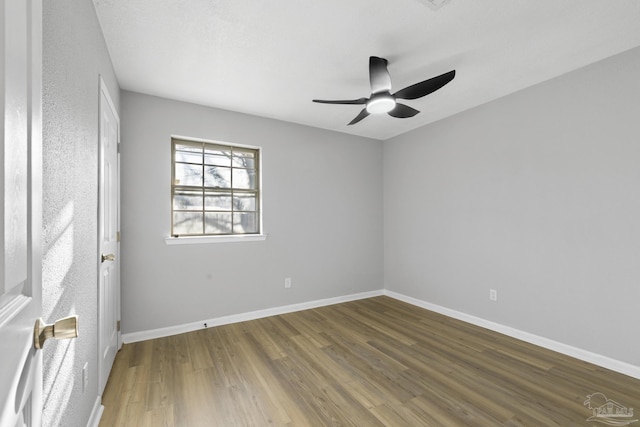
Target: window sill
198,240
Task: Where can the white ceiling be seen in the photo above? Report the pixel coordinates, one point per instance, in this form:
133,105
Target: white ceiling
271,58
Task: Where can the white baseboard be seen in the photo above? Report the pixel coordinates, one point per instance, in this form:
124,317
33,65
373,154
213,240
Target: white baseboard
578,353
96,413
243,317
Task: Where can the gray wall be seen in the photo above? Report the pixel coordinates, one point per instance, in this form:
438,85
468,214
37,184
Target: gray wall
74,56
536,195
322,211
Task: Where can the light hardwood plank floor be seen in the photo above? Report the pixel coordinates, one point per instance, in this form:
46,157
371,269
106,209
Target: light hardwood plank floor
373,362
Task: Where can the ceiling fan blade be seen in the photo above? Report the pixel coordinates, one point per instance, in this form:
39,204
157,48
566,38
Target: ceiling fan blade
364,113
360,101
379,75
426,87
402,111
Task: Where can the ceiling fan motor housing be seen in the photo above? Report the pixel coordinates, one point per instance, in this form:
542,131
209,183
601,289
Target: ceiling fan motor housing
381,102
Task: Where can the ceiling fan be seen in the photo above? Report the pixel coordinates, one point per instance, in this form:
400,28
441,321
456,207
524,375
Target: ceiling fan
381,99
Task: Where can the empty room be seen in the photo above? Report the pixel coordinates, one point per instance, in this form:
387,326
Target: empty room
320,213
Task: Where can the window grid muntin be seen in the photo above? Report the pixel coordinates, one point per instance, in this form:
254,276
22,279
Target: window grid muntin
203,149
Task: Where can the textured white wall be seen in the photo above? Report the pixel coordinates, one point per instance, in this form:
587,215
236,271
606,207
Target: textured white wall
322,211
535,195
74,56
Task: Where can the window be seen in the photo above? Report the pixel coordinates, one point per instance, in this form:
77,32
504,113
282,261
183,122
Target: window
215,189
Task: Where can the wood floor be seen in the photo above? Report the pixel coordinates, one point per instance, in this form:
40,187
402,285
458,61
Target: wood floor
373,362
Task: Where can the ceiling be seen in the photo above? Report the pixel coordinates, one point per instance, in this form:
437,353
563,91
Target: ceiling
271,58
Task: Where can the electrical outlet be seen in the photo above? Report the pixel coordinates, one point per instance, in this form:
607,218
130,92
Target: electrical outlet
85,376
493,295
287,282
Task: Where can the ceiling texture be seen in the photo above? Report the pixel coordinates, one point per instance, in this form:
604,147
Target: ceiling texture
271,58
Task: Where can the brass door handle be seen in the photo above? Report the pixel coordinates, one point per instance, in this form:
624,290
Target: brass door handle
62,329
108,257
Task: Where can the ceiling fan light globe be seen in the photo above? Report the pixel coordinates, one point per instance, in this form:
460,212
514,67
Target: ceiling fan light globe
381,104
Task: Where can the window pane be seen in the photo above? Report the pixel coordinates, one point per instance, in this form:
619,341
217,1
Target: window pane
185,223
244,160
215,201
218,223
217,177
244,178
188,174
217,150
245,222
244,202
187,200
194,147
218,159
188,156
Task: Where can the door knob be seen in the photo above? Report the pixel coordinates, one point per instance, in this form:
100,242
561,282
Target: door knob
108,257
62,329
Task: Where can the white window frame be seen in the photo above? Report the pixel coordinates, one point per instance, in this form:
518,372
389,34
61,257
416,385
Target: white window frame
218,238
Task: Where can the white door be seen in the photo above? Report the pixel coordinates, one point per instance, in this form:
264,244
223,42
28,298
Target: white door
108,281
20,211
